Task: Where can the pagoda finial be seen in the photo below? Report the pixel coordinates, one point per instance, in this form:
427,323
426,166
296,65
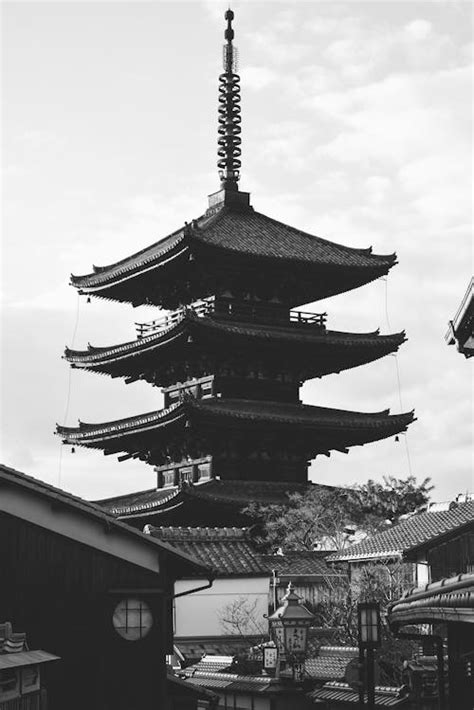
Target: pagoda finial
229,141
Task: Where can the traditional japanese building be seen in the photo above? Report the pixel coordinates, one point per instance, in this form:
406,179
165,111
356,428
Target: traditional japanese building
230,350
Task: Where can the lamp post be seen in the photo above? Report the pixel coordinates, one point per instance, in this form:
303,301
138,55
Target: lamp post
288,627
368,617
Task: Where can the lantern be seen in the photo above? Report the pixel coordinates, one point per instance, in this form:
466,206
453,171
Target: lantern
289,626
368,615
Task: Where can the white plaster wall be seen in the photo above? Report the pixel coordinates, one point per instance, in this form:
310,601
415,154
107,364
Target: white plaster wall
198,614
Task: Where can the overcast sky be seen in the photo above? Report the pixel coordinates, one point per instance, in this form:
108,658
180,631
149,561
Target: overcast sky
356,127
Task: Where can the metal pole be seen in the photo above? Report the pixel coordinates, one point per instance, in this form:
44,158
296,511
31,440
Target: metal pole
370,680
361,678
441,680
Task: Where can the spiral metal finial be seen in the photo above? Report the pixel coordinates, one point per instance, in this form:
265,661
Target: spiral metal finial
229,141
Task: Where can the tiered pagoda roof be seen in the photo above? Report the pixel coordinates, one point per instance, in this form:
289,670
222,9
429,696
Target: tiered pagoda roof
220,501
313,348
230,240
328,429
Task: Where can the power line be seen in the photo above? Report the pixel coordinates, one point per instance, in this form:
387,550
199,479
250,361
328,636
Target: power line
68,398
397,368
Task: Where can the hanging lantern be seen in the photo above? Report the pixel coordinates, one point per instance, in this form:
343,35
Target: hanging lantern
73,450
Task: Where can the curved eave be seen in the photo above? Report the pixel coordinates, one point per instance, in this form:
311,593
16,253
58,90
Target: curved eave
231,234
303,416
94,434
107,277
339,428
370,346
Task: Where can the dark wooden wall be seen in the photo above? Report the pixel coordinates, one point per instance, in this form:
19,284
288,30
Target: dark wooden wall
453,557
59,592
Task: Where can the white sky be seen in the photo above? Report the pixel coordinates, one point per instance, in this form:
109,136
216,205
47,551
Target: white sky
356,127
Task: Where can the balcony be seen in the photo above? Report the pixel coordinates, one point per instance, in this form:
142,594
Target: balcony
247,311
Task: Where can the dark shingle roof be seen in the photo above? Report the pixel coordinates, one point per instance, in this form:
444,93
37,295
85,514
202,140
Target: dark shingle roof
241,232
299,562
331,663
346,427
325,340
450,599
334,692
222,493
412,532
226,550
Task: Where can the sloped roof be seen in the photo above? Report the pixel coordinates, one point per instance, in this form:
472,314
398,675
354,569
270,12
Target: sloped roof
450,599
221,493
360,347
226,550
331,663
10,478
413,532
328,428
334,692
240,232
299,562
25,658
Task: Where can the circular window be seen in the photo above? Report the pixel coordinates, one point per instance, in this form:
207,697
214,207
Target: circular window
132,619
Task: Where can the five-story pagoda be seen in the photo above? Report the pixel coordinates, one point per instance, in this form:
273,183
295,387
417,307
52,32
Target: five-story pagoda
230,352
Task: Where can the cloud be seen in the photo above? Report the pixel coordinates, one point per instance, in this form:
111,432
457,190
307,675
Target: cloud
418,29
257,78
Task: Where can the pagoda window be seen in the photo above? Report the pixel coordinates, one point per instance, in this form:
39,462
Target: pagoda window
204,470
186,474
198,389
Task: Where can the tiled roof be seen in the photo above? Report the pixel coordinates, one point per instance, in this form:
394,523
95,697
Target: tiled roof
221,493
141,501
331,664
243,492
253,233
354,428
241,232
335,692
196,648
411,532
299,562
226,550
231,682
349,349
449,599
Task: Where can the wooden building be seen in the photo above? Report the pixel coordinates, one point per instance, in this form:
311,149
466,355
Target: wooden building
423,547
91,590
446,603
232,355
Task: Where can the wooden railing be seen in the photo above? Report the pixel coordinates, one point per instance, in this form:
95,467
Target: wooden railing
244,310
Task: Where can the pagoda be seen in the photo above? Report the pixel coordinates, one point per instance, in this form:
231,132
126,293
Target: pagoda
230,350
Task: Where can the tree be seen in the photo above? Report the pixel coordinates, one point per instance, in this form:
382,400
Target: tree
372,504
322,514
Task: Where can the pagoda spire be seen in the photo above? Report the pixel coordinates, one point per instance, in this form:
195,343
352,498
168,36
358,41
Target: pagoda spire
229,140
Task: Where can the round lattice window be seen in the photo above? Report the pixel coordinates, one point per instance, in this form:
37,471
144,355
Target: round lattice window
132,619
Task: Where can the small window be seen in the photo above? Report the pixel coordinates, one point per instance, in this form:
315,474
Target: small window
132,619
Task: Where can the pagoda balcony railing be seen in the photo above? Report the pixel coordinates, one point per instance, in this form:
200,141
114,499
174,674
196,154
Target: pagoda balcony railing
248,311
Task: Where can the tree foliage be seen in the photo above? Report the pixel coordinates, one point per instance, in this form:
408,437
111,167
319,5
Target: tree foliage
321,515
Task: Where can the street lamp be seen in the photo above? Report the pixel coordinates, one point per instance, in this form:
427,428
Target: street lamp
289,626
368,618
